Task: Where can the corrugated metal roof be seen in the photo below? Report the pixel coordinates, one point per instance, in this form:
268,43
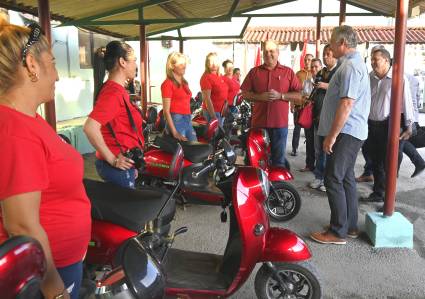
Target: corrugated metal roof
182,11
125,13
286,35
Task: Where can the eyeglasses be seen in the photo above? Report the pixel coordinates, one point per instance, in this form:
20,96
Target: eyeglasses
35,35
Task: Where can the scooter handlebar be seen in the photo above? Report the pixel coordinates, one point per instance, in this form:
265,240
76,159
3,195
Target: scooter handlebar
207,167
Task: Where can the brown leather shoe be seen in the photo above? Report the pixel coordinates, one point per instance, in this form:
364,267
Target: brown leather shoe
364,179
352,233
327,237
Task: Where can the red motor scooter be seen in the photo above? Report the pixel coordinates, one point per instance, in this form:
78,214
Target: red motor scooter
286,271
119,214
22,268
284,202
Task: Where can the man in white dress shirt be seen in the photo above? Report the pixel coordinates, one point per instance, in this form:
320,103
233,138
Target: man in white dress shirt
380,84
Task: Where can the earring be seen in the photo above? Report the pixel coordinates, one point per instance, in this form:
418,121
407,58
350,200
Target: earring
34,77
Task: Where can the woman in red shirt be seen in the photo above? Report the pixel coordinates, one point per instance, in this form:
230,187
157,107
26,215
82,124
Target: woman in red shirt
176,99
214,89
233,85
41,189
114,127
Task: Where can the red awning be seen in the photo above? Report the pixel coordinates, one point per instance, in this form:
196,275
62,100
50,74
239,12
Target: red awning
285,35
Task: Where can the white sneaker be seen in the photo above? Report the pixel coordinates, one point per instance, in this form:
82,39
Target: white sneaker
316,183
322,188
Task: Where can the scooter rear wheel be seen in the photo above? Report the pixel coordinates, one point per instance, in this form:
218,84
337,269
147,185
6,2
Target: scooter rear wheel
284,201
301,277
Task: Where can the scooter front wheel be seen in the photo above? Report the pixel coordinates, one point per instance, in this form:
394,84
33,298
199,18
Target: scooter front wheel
284,201
300,281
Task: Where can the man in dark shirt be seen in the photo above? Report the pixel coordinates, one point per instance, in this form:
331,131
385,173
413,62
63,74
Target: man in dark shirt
321,86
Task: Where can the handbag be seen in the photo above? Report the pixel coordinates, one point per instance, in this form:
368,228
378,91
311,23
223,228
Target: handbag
418,140
305,116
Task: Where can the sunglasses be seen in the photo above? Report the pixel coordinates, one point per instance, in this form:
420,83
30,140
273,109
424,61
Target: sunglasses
35,35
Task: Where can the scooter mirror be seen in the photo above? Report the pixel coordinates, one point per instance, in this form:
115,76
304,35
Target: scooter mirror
145,278
23,266
229,153
151,115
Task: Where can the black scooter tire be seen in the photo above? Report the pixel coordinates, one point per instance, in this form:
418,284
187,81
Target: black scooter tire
291,194
264,280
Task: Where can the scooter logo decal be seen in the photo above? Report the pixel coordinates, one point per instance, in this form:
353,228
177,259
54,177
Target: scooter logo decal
160,165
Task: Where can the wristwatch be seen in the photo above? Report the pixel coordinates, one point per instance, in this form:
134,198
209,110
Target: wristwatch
282,96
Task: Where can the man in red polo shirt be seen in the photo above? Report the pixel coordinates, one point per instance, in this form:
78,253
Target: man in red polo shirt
272,86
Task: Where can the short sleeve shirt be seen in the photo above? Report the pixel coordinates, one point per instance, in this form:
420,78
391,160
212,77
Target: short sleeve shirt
110,108
259,80
234,88
179,96
219,90
351,80
38,160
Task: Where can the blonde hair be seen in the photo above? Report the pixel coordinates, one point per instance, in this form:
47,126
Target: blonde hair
173,59
210,60
13,39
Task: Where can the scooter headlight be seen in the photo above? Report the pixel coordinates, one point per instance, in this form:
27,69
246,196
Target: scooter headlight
264,182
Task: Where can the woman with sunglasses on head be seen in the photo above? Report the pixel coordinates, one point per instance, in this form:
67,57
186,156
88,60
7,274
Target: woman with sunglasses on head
114,127
176,99
41,189
214,89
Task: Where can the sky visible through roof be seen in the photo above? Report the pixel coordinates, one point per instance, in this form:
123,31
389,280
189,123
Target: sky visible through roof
300,6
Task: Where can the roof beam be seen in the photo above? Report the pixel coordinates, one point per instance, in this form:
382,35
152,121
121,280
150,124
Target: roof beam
233,8
195,37
301,14
244,27
152,21
84,21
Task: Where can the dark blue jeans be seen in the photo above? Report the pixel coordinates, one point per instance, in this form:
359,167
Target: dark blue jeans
72,276
278,138
208,118
340,184
108,173
183,124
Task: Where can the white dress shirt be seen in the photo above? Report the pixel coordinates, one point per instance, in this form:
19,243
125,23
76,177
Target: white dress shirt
381,98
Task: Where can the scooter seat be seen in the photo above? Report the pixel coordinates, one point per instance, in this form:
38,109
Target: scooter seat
196,152
193,151
130,208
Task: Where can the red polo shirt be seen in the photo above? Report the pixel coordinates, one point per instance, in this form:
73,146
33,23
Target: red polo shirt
219,90
234,88
110,108
259,80
179,96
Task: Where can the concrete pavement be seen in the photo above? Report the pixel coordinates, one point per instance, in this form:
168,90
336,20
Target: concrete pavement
355,270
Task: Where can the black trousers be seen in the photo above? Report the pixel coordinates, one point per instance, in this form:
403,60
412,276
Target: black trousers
296,133
310,156
376,144
410,150
340,184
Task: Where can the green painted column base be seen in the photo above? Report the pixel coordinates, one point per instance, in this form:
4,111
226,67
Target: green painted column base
393,232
